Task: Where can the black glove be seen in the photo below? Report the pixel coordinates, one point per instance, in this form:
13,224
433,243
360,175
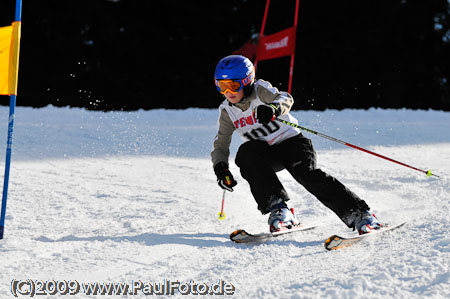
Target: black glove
224,177
267,113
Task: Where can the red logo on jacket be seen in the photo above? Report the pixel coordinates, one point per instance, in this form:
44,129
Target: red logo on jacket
243,121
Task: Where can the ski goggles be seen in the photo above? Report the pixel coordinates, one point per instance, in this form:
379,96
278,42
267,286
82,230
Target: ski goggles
233,86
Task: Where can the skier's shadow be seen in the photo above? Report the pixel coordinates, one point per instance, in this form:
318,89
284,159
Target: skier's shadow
286,242
201,240
153,239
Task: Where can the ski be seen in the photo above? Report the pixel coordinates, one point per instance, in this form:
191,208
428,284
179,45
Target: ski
336,242
241,236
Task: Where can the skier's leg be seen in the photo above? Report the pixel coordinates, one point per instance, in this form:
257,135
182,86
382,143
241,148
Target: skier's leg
300,161
258,165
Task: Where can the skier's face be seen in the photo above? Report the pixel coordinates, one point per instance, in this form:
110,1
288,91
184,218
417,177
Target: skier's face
234,98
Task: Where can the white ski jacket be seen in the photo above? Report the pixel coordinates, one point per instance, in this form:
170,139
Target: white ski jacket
239,117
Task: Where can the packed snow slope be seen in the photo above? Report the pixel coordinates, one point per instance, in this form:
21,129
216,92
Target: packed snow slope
131,196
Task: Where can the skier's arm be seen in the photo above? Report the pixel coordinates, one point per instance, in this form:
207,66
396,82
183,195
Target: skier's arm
222,141
271,95
221,152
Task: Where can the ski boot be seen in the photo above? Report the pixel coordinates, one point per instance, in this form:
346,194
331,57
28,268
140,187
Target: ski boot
281,217
367,223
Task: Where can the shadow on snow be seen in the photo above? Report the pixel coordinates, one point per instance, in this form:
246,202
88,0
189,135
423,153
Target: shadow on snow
201,240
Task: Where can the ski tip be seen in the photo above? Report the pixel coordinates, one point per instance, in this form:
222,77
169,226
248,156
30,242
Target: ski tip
333,242
238,235
336,242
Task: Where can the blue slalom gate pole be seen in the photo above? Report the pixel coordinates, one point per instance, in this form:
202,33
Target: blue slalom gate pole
12,107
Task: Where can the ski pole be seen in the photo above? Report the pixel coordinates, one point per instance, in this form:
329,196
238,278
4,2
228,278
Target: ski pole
428,173
222,214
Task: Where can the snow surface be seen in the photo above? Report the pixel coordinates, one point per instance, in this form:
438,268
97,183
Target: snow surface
128,196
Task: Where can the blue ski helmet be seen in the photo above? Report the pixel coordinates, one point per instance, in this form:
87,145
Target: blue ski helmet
236,68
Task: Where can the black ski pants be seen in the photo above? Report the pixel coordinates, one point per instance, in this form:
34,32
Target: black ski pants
259,162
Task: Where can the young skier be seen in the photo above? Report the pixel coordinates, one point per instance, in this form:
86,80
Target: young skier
250,108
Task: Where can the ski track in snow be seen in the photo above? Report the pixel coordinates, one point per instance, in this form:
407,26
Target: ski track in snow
127,196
